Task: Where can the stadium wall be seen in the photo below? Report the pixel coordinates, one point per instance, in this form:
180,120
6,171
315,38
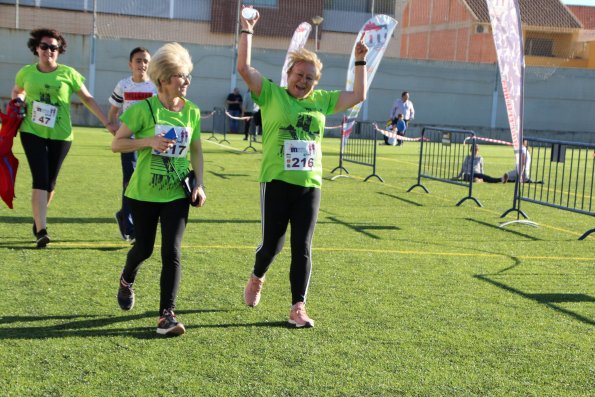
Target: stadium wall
558,101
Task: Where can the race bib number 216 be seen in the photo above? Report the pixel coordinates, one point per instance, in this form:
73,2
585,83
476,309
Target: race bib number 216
300,155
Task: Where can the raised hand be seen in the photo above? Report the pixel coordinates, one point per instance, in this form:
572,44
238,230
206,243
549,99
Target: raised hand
361,49
248,24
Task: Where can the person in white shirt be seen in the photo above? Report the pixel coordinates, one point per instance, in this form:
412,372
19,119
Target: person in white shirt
128,91
402,106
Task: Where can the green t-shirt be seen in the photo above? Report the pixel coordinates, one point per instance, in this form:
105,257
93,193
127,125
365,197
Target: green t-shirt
292,134
48,100
154,178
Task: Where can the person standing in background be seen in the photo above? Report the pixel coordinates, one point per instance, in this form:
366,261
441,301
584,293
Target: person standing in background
234,108
249,110
127,92
403,106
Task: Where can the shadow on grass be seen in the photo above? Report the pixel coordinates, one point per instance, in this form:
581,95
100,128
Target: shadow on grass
401,199
363,229
225,176
503,229
30,245
28,220
546,299
91,325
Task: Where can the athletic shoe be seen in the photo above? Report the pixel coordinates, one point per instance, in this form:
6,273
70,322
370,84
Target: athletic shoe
252,290
42,238
121,225
125,295
298,316
168,325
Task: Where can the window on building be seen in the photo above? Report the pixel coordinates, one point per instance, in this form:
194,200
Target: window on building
539,47
366,6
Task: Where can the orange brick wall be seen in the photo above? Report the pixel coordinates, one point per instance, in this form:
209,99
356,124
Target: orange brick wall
462,43
447,33
418,15
442,45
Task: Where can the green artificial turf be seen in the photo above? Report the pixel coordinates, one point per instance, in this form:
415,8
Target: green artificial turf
411,294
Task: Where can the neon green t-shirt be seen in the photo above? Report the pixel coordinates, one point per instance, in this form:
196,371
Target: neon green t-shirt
292,134
48,100
154,178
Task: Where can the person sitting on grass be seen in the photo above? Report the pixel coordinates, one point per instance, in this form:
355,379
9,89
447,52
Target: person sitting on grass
511,176
473,164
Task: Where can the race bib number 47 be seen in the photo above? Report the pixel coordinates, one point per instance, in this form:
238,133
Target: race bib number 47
44,114
180,134
300,155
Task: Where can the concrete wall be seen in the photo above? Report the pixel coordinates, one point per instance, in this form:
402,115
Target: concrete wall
558,102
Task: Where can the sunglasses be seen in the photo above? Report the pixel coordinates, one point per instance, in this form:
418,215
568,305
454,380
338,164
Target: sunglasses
184,76
51,47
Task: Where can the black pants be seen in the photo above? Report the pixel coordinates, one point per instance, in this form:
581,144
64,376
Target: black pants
486,178
281,204
128,161
173,217
45,158
247,124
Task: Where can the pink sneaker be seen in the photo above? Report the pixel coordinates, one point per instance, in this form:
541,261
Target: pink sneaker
298,316
252,290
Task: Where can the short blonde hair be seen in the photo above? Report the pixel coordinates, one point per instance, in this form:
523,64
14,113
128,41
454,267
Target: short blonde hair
167,61
303,55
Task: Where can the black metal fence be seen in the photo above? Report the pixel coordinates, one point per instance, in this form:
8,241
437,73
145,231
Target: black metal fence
218,124
561,175
441,156
359,148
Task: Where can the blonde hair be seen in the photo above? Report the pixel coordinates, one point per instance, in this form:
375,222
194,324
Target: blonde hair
303,55
167,61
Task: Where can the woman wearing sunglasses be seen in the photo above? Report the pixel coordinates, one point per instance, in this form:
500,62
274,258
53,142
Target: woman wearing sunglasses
46,132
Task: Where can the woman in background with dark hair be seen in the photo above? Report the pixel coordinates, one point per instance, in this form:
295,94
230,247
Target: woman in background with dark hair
45,87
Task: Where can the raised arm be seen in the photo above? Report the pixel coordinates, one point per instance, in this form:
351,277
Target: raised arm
251,76
351,98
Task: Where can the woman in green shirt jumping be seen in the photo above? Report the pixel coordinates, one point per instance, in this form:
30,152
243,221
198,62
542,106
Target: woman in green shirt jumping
293,121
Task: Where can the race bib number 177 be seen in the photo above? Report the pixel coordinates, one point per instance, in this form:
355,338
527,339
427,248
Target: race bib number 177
181,135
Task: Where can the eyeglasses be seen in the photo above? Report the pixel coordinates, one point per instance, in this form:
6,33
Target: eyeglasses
51,47
184,76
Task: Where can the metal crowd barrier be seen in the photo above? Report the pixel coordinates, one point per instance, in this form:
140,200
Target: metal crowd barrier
441,156
561,175
219,125
359,148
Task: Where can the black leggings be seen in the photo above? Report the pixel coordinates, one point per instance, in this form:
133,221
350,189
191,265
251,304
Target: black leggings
282,203
173,217
486,178
45,157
